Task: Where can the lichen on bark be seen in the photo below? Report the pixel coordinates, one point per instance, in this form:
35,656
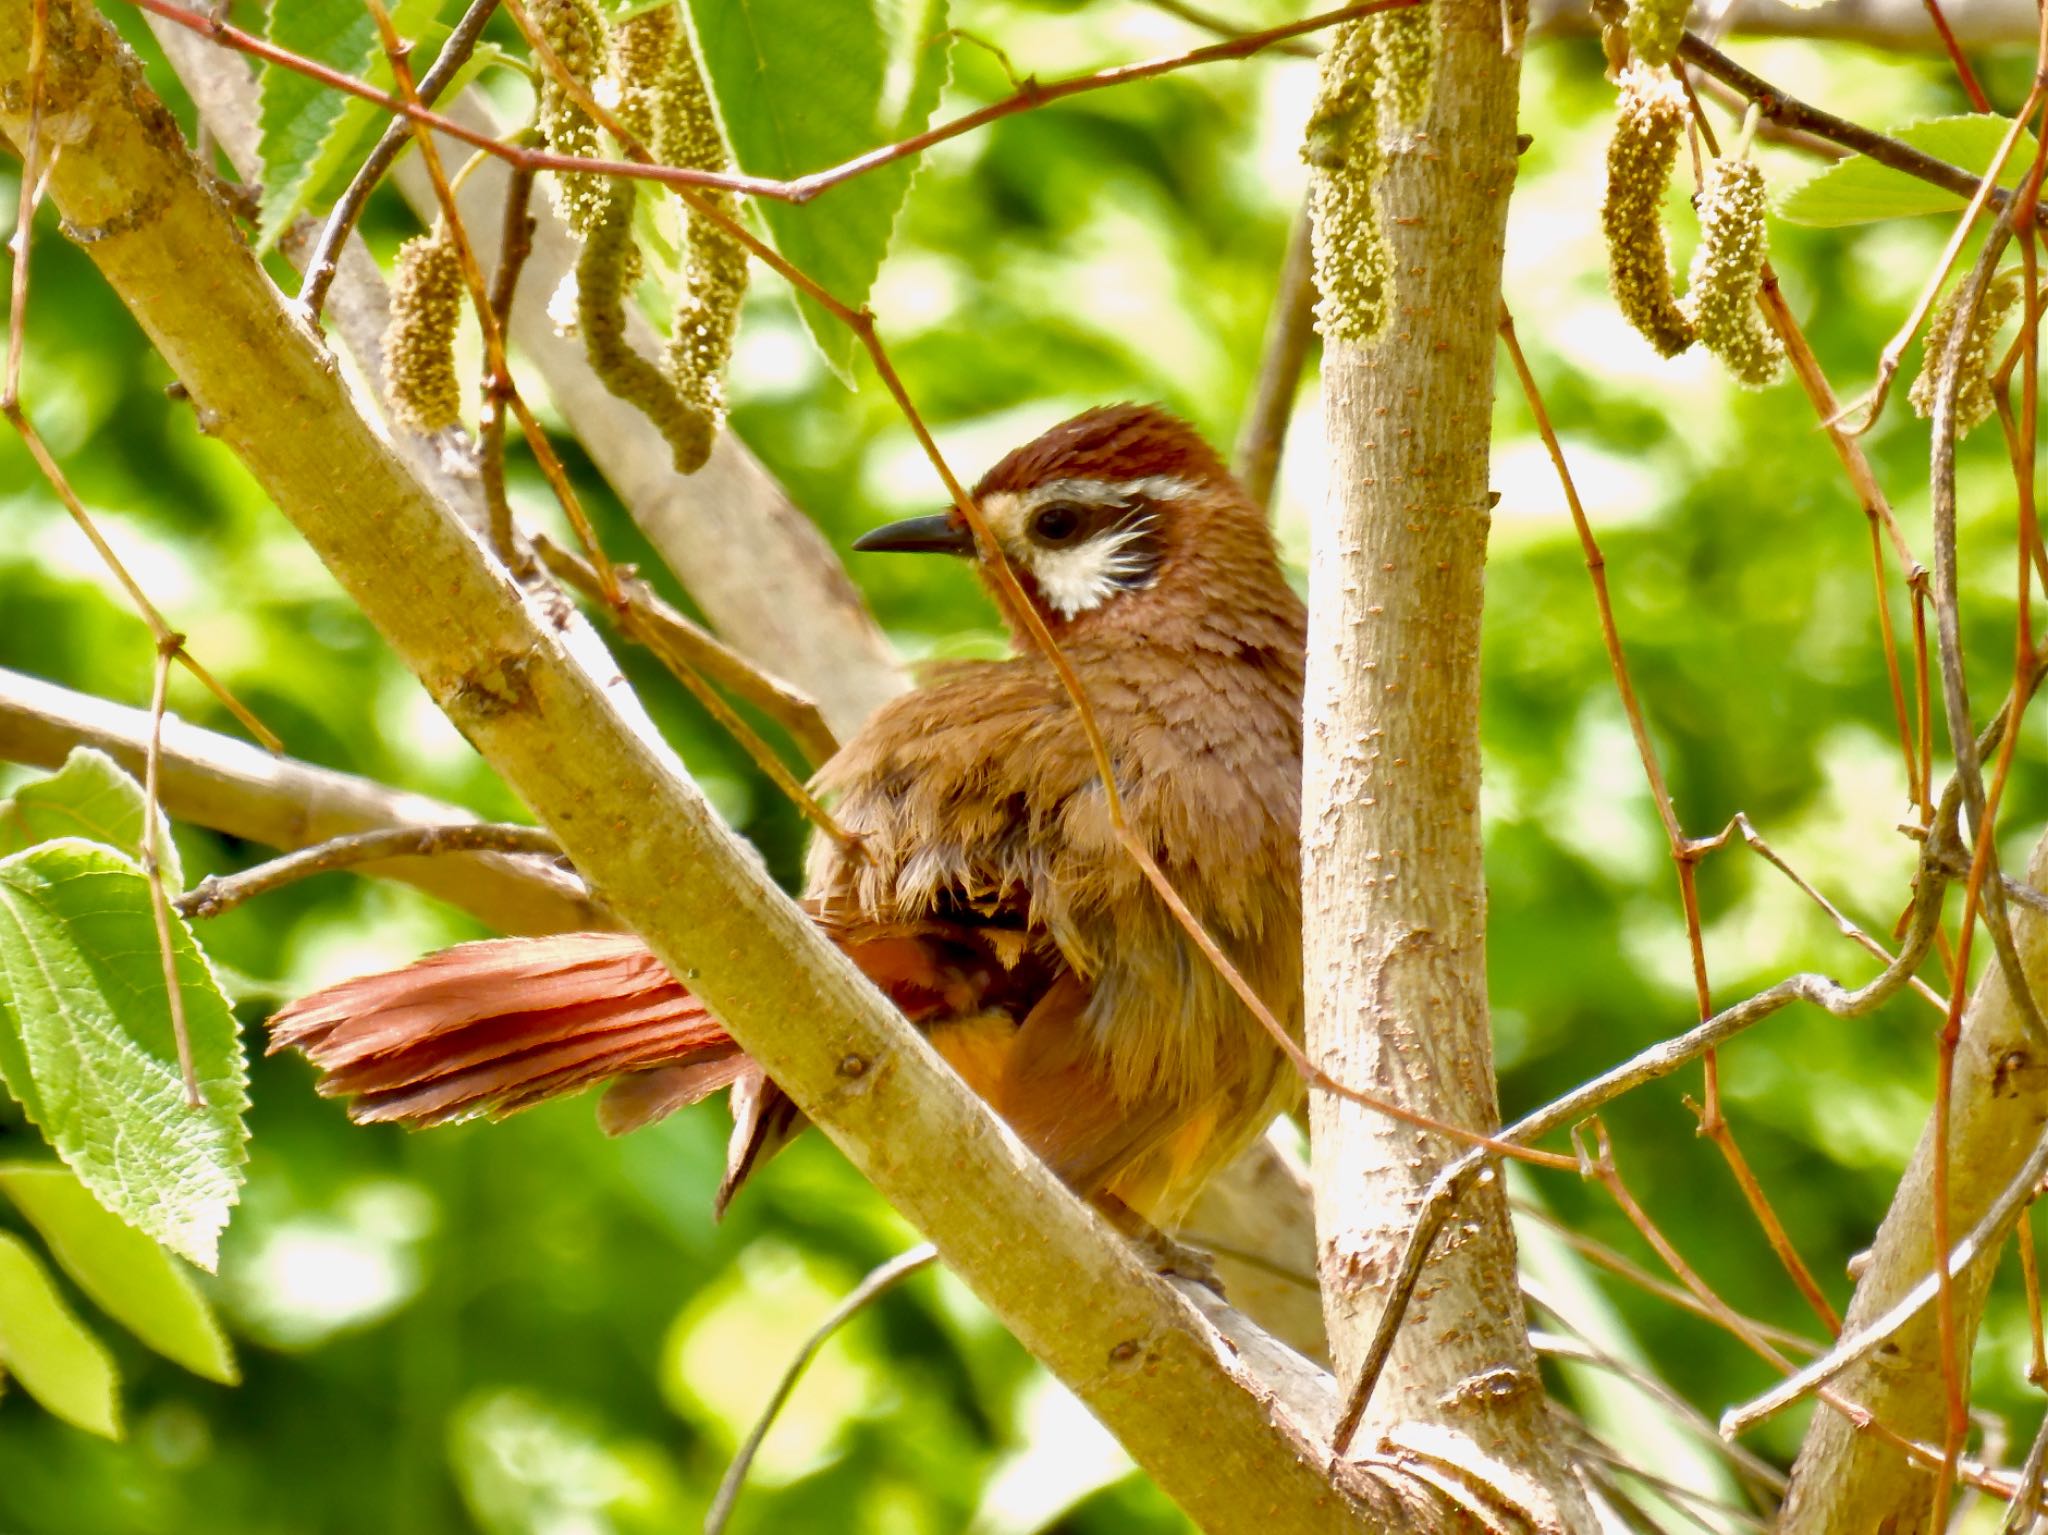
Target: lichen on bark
1346,157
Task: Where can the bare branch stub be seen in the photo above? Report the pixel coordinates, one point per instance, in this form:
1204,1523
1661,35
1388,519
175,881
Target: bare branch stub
216,894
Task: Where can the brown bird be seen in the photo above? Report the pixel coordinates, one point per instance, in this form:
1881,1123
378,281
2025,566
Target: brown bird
984,889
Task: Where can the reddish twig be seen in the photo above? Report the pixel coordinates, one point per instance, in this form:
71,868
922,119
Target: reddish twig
2030,1281
1685,851
152,869
1979,102
800,189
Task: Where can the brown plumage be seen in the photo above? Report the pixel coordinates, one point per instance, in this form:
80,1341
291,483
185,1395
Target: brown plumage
988,898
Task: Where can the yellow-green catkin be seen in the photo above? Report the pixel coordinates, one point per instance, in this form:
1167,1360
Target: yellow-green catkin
707,308
643,57
1973,378
605,270
575,30
1639,160
419,339
659,90
1656,28
1721,292
1405,44
1353,264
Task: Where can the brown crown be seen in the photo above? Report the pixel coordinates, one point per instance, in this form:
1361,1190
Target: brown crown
1110,442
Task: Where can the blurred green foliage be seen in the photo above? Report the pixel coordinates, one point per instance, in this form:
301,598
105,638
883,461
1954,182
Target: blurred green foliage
528,1330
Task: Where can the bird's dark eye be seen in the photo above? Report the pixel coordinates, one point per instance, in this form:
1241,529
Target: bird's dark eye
1056,524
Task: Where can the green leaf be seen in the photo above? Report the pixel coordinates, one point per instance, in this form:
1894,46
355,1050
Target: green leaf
1860,191
309,129
805,84
348,141
86,1044
48,1350
90,797
127,1275
298,113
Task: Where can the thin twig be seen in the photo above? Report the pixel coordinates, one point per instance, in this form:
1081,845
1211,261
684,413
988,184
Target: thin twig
879,1282
24,218
1602,1256
643,618
1601,1166
515,244
2027,1508
802,188
152,868
2030,1282
325,258
1750,1465
1979,102
1870,497
216,894
1741,826
1781,107
1195,17
1948,631
1685,852
33,173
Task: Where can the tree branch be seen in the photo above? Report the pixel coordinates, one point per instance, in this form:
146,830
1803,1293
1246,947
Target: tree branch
218,893
218,782
1787,111
1894,24
1133,1349
1290,329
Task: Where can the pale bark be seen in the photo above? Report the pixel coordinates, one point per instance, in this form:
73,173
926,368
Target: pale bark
1394,892
1172,1390
229,786
1846,1482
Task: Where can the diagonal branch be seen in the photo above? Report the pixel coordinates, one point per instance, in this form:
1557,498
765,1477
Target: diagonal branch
228,786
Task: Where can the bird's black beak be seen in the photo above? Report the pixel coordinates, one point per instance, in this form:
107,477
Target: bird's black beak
942,533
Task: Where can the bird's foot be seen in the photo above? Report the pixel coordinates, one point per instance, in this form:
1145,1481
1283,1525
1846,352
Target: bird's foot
1177,1260
1169,1259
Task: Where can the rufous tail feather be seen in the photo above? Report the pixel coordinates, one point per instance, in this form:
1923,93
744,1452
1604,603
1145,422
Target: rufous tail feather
495,1027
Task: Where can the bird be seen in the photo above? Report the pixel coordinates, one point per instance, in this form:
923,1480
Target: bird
981,884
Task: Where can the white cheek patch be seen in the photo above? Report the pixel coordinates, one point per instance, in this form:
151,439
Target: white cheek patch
1075,580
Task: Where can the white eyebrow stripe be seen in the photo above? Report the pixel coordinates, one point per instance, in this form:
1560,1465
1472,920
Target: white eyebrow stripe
1150,487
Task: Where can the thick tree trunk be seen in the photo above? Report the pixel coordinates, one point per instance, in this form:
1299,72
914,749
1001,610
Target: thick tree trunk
1395,897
